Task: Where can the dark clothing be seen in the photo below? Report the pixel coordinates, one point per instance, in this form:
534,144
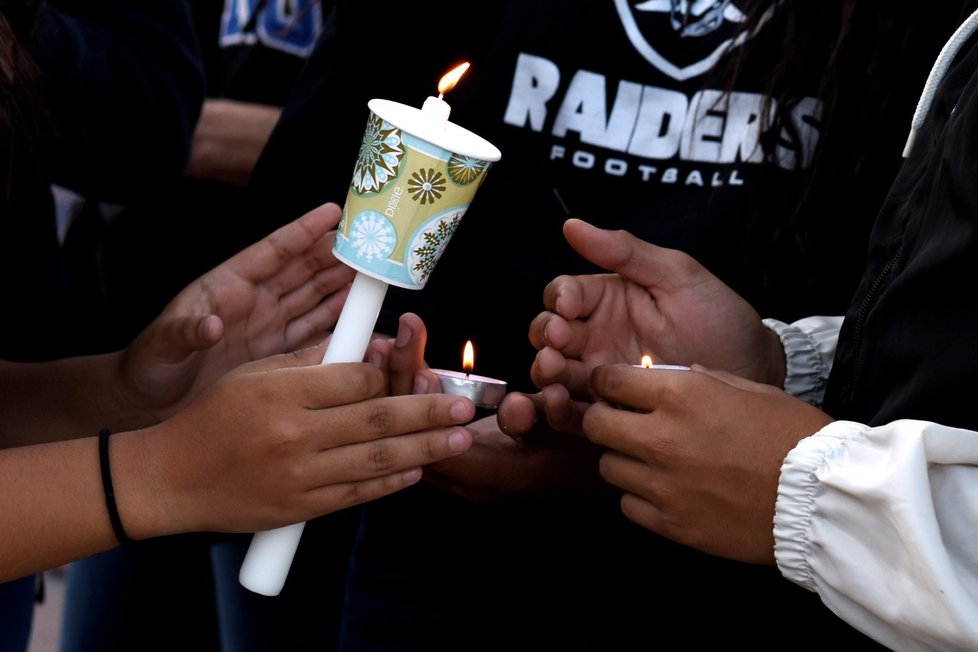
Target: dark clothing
110,73
595,122
904,352
159,595
113,76
124,87
189,225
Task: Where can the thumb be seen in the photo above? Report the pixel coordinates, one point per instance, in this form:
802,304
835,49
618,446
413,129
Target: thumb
307,357
734,380
632,258
172,340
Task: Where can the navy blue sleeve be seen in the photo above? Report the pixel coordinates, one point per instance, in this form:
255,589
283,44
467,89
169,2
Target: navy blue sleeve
125,83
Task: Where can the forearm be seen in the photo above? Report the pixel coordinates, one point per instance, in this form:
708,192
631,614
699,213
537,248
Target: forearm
63,399
229,138
54,502
880,522
54,509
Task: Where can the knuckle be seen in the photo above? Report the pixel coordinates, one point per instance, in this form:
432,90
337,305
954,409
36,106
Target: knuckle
353,495
430,449
434,412
380,419
362,381
381,457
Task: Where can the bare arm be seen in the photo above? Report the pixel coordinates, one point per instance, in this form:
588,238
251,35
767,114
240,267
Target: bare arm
228,139
280,294
275,442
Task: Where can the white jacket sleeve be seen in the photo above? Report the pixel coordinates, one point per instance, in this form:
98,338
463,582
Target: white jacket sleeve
883,523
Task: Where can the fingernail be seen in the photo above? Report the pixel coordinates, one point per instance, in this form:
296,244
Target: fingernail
375,359
404,334
458,441
459,410
420,384
411,476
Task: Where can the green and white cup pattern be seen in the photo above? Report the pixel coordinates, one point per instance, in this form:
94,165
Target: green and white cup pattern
404,203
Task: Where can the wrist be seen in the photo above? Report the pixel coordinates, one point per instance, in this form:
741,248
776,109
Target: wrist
800,364
777,367
126,409
144,498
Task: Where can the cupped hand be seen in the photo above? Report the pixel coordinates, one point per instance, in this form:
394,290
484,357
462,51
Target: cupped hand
658,301
283,440
517,452
498,466
698,453
277,295
551,409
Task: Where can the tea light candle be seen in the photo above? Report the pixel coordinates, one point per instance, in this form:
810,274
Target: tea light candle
484,392
647,364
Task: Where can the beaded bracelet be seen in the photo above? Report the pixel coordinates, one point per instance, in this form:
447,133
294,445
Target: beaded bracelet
103,458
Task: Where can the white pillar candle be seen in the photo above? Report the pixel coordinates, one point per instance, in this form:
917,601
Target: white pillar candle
268,560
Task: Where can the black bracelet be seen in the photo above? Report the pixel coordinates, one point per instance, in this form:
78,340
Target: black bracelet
103,458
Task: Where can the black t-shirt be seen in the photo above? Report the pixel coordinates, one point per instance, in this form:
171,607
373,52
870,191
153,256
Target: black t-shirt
617,114
252,52
120,88
593,122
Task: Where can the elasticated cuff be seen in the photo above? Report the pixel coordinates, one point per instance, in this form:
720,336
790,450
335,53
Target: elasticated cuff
796,499
806,372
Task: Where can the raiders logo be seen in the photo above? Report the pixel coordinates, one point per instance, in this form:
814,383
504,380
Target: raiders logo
690,36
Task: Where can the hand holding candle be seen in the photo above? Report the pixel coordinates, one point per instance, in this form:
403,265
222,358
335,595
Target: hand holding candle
484,392
414,178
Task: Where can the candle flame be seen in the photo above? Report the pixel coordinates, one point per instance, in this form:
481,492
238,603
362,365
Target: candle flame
646,361
468,357
450,78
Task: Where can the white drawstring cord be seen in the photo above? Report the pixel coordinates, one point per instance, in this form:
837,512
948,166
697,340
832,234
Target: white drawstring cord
936,76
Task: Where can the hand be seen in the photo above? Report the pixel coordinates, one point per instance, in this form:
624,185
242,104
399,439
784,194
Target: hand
497,466
267,299
659,302
280,441
519,413
698,454
401,358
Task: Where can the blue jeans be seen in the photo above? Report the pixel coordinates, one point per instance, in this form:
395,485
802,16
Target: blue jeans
16,613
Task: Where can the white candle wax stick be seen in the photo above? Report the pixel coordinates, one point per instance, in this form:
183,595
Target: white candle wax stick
437,111
268,560
357,320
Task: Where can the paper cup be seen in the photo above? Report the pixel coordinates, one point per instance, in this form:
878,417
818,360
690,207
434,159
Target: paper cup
413,181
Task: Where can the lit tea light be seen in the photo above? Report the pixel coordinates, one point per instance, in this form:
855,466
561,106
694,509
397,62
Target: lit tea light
647,363
484,392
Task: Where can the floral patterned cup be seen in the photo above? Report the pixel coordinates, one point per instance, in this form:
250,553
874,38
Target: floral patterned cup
413,181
